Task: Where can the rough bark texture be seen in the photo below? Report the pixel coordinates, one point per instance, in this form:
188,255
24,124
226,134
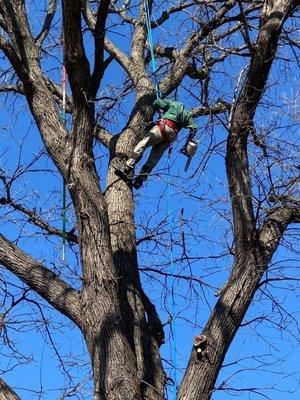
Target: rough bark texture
6,393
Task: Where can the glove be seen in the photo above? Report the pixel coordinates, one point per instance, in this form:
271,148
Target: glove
192,135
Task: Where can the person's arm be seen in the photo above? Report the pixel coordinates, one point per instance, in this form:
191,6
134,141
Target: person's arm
192,126
161,104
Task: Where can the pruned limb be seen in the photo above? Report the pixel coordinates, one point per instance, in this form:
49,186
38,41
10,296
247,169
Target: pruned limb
41,279
103,136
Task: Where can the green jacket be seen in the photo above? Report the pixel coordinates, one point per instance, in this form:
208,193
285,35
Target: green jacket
176,112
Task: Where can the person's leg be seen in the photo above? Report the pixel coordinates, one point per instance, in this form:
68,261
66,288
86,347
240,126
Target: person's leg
155,155
151,138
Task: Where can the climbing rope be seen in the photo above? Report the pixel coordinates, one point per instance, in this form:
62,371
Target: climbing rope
64,191
169,200
151,47
173,304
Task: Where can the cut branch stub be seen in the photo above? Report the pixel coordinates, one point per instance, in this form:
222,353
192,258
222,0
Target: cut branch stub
200,345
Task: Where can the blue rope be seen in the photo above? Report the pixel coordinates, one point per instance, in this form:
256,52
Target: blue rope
173,306
169,201
151,47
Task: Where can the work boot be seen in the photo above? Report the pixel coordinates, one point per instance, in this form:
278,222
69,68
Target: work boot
125,172
139,181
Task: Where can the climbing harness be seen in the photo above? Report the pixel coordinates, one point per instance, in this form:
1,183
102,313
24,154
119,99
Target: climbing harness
161,124
151,47
64,191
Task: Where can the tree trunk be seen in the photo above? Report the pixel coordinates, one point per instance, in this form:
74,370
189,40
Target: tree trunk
112,358
221,328
144,337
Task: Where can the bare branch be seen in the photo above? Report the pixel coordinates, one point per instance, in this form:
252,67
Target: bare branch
35,219
171,81
11,89
114,52
165,15
241,125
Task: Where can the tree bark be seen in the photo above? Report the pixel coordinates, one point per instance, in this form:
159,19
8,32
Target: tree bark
144,335
6,392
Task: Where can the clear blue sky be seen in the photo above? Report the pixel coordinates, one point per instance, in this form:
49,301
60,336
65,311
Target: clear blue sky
202,194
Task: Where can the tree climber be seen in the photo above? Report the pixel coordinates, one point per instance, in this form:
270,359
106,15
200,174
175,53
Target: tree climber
165,131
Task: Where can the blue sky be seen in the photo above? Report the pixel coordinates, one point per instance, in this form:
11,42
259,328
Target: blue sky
203,196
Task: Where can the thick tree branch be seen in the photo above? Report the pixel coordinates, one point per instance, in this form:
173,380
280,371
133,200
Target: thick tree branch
88,14
76,62
47,23
241,123
219,107
253,250
41,279
6,392
103,136
284,199
275,225
112,50
99,39
139,38
11,89
181,65
233,304
23,54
